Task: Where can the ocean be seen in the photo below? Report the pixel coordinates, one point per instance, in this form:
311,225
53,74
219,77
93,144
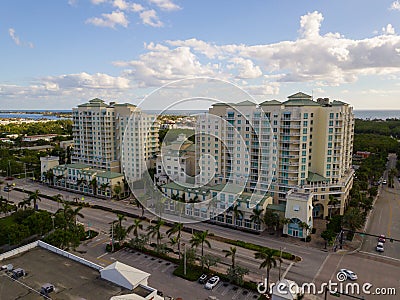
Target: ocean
36,115
377,114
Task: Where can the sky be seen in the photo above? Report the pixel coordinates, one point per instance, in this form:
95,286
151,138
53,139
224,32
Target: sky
58,54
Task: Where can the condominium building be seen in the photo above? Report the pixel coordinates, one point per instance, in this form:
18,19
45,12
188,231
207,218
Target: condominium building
104,132
278,146
176,161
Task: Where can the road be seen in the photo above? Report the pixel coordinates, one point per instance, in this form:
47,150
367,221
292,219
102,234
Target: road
99,220
385,217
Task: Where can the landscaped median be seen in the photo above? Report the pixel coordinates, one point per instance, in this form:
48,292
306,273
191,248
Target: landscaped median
255,247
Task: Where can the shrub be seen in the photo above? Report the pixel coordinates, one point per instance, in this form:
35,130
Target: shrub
308,238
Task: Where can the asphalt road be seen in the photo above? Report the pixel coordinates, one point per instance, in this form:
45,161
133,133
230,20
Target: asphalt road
385,217
99,220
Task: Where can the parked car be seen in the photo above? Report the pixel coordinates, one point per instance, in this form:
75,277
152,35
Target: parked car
384,182
47,289
382,238
203,279
379,247
212,282
350,274
7,188
18,273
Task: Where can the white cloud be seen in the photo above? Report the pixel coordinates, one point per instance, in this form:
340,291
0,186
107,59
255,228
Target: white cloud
85,80
14,37
149,17
136,7
310,25
110,20
323,60
167,5
98,1
120,4
17,40
245,68
210,51
72,2
389,29
395,5
162,65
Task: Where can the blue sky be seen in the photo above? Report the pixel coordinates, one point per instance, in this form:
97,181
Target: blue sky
57,54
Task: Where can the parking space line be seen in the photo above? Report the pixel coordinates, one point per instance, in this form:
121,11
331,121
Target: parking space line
168,267
226,290
218,287
236,295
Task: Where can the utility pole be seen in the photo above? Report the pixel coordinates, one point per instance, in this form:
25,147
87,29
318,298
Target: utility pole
184,258
280,262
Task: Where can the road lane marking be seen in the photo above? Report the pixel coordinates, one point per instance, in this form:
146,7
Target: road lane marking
390,217
287,270
321,267
104,254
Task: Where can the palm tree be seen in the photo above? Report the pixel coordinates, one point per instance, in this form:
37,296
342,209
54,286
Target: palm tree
155,231
80,182
59,178
34,197
200,238
137,224
256,217
117,190
173,241
75,213
269,260
177,228
58,198
231,252
93,184
237,214
3,205
104,187
24,203
332,201
305,227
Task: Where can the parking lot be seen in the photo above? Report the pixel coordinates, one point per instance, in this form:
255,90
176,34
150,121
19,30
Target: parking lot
163,279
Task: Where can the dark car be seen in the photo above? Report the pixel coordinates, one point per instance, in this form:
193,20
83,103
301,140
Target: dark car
18,273
47,289
203,278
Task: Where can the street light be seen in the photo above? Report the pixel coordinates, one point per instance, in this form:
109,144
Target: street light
112,235
184,258
280,261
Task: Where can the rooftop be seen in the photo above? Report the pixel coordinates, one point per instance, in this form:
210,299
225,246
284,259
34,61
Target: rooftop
109,174
71,279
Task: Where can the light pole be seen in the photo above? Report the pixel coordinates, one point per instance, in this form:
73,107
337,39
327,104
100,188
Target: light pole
112,236
280,262
184,258
52,218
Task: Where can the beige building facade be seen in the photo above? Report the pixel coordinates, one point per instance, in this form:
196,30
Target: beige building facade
279,146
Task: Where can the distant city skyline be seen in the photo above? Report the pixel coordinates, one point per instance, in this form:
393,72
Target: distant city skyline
59,54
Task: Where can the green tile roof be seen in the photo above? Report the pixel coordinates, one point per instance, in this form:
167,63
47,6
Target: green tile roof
300,95
277,207
300,102
77,166
229,188
314,177
96,102
338,103
244,103
271,102
109,175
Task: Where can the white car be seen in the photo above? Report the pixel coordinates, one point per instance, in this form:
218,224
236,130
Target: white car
379,247
350,274
211,283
